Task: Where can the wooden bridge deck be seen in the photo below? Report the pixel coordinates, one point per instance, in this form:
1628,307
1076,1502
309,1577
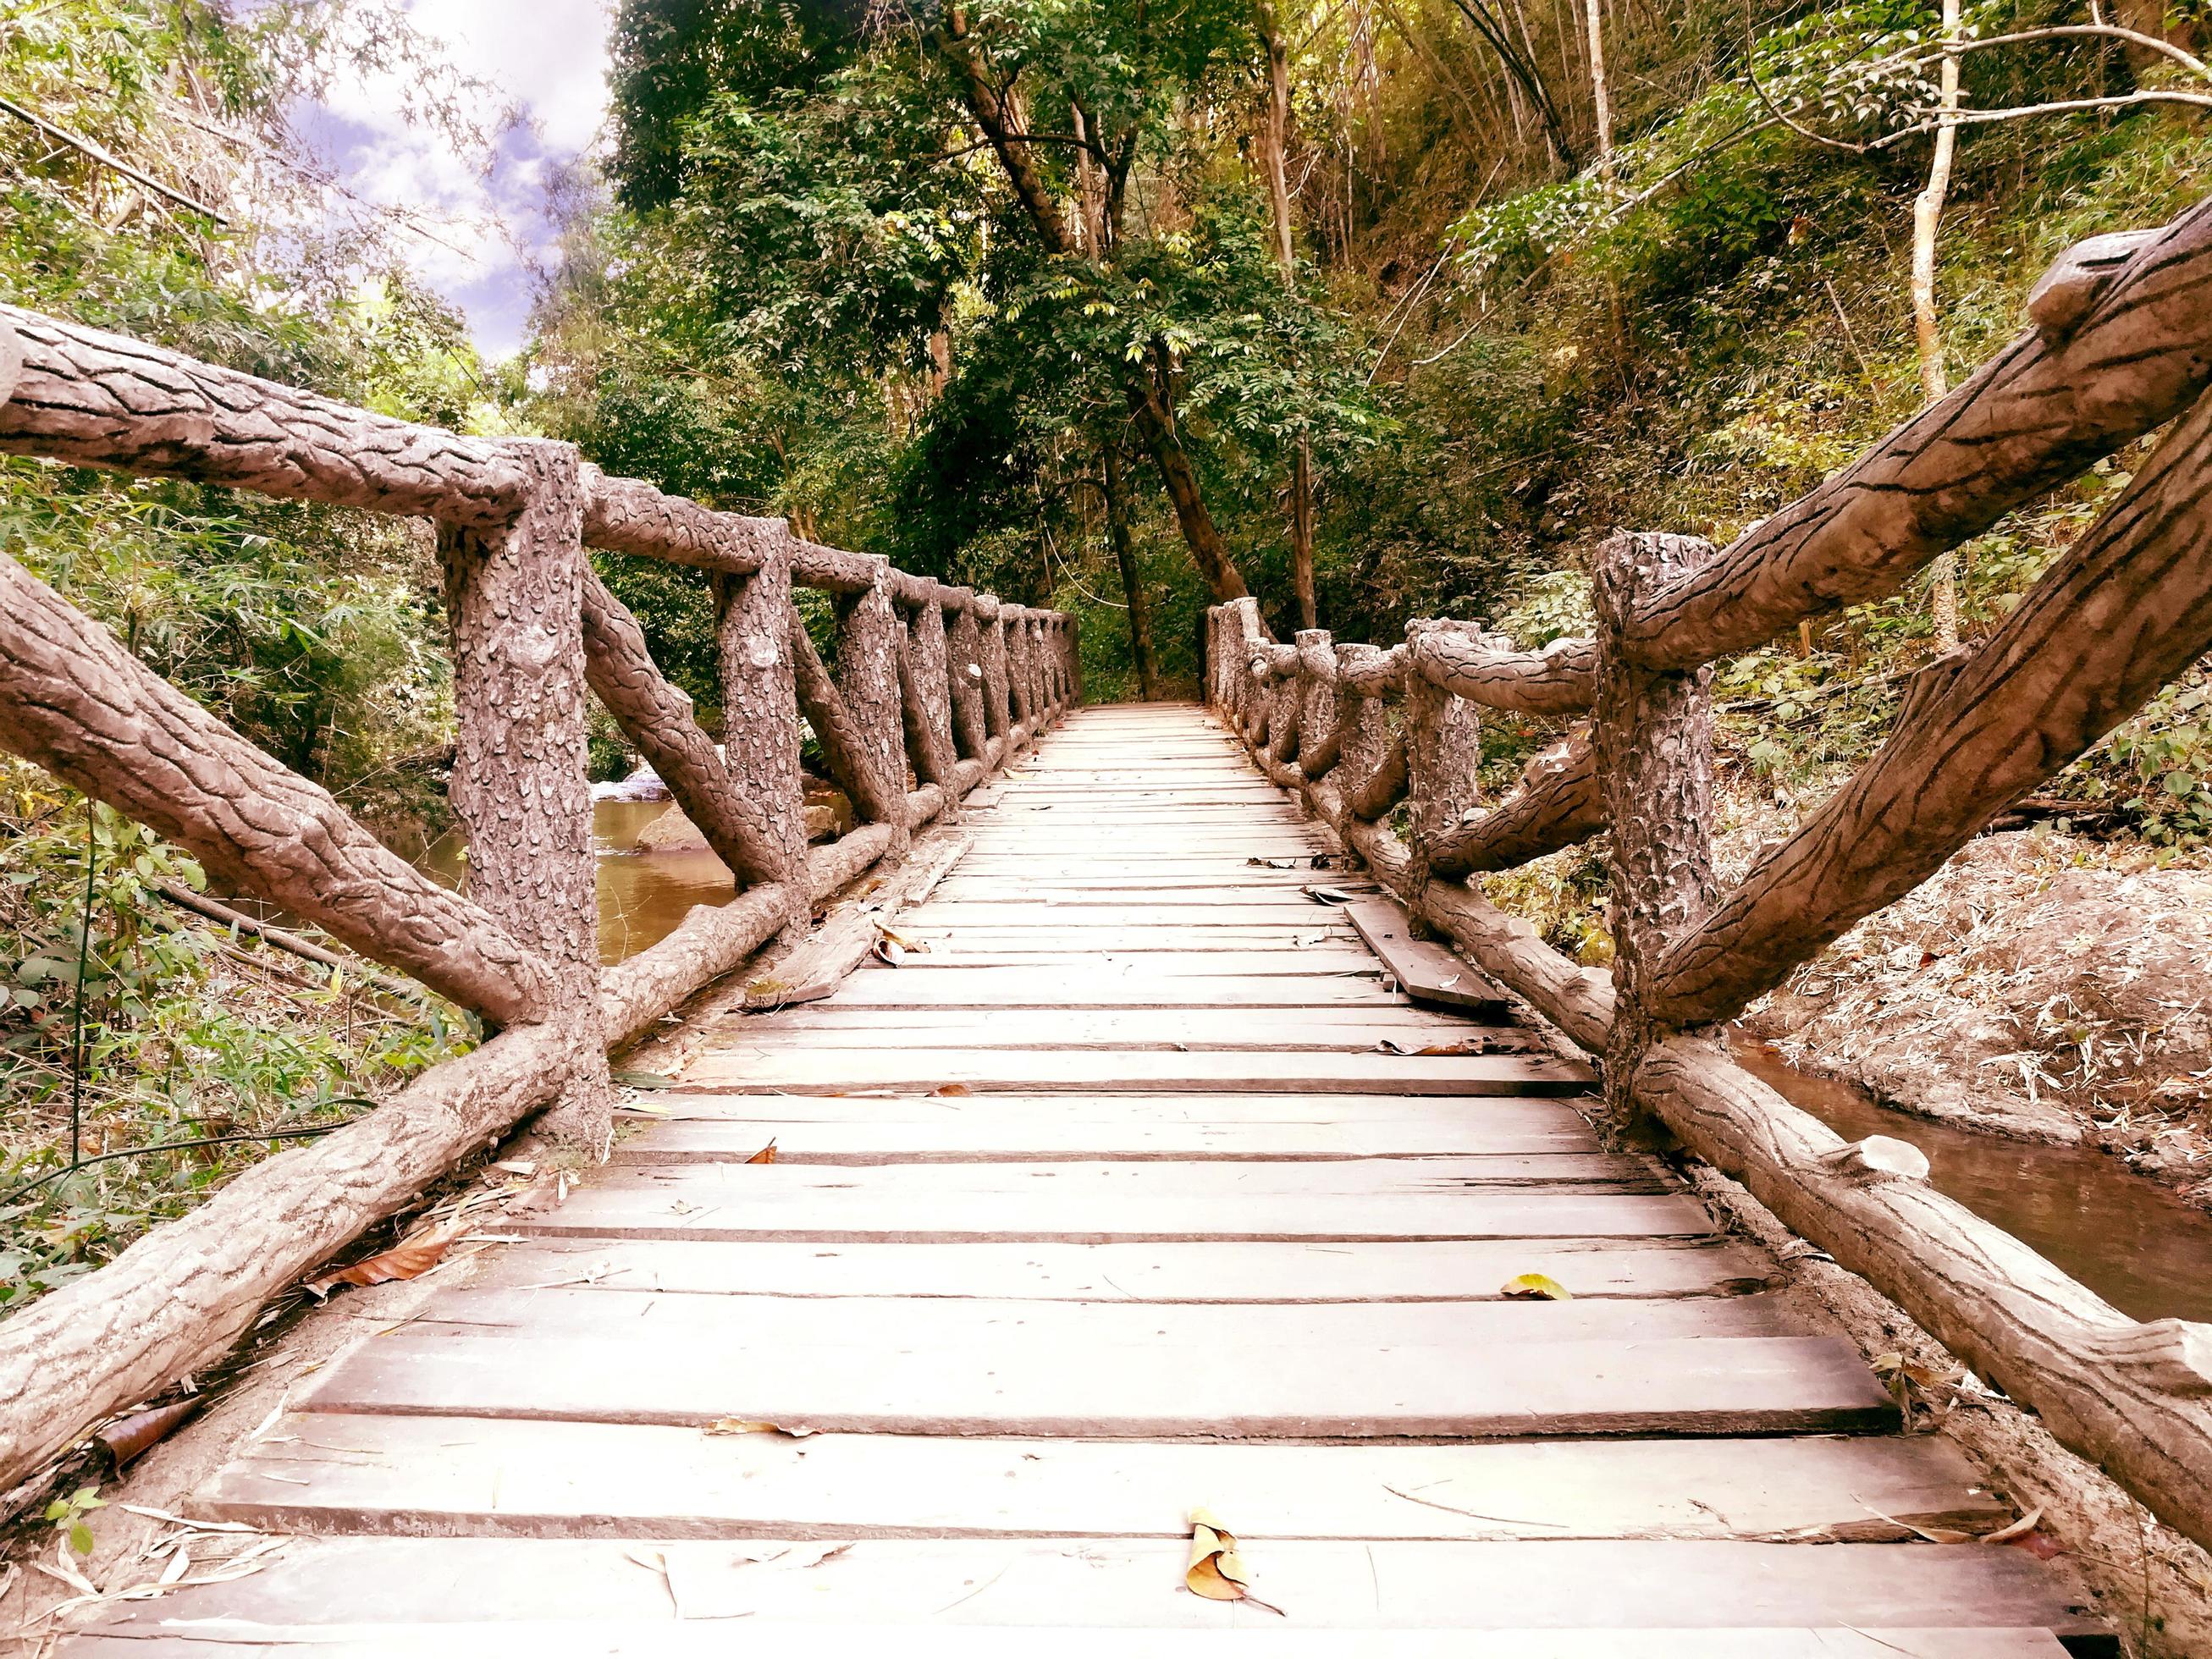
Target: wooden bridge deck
1114,1203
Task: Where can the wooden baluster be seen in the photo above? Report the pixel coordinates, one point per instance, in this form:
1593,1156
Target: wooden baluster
971,728
515,598
760,708
1443,754
1655,761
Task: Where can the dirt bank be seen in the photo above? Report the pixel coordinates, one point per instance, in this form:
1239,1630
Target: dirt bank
2041,986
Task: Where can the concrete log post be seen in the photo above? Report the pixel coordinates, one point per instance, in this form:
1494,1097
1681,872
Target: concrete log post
760,711
971,729
1655,765
1444,755
514,601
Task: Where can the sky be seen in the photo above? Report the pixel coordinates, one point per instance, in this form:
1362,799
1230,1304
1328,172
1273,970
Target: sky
550,57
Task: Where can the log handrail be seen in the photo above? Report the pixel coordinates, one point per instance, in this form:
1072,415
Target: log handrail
950,682
2121,611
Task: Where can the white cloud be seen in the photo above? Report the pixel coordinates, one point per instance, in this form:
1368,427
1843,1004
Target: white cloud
549,57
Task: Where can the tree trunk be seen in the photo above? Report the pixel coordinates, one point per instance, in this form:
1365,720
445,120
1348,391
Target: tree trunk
514,601
1133,581
1934,381
1275,145
1154,415
1599,97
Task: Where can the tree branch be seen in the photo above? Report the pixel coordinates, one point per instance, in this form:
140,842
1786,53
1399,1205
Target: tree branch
109,160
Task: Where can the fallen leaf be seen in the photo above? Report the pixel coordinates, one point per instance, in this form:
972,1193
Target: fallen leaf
1535,1287
751,1425
2039,1544
900,939
408,1258
766,1155
1327,895
127,1437
953,1089
642,1079
642,1109
2019,1528
1217,1571
889,950
1276,864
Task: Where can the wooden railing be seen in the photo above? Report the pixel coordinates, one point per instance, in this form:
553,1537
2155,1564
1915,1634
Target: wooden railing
2117,350
944,681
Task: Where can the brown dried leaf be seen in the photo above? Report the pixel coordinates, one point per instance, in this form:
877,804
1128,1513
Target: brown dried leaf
2018,1529
128,1438
753,1426
1216,1571
408,1258
953,1089
766,1155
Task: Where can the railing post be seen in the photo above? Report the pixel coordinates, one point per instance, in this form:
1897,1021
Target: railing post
997,710
867,676
1655,756
971,728
1443,753
760,708
1021,685
924,695
514,602
1319,733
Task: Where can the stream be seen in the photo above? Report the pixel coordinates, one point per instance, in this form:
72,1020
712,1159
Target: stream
641,898
2124,1236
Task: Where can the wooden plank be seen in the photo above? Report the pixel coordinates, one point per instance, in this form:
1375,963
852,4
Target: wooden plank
674,1324
1353,1113
1425,1269
1090,985
1348,957
1666,1385
1015,1140
1425,970
1327,1027
490,1477
1047,1070
1121,1585
1046,1211
572,1638
1480,1176
1290,911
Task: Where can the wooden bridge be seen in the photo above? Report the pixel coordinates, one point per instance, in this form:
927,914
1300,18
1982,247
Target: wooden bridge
1148,1188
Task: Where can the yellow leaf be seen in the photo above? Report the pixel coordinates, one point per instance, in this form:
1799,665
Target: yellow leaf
1216,1571
766,1155
1535,1287
749,1425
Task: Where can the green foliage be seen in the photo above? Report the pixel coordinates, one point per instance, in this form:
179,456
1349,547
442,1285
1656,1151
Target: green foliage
66,1517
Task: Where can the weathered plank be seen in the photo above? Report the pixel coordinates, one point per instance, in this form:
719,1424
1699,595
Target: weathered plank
1043,1210
1124,984
887,1140
1044,1070
1129,1585
1421,1269
1664,1385
1425,970
488,1476
772,1640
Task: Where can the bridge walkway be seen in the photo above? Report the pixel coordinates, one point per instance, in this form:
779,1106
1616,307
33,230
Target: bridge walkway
1135,1188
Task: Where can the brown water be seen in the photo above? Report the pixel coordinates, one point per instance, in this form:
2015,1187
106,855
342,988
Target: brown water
642,896
2123,1235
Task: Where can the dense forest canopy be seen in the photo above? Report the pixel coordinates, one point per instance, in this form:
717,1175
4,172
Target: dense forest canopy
1375,308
